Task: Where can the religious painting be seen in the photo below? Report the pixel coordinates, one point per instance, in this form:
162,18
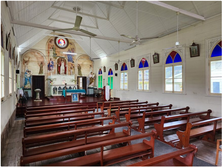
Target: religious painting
55,52
2,37
75,97
104,69
116,66
61,42
33,60
194,50
61,66
84,65
156,58
132,63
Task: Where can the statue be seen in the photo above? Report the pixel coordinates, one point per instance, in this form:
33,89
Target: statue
79,70
72,69
61,66
50,65
27,83
92,78
41,68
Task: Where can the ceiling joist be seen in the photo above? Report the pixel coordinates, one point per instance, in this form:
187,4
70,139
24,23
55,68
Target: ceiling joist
22,23
81,13
173,8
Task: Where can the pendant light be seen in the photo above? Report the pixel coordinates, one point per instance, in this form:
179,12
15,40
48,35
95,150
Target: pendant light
177,42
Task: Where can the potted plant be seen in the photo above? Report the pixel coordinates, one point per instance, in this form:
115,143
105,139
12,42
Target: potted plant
51,80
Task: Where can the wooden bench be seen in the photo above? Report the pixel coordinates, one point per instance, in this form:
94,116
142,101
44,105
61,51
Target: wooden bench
207,128
108,157
133,113
45,111
65,125
60,118
70,138
60,112
178,121
105,105
171,159
52,106
125,107
155,116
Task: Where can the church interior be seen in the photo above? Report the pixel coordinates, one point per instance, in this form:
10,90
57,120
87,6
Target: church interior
121,83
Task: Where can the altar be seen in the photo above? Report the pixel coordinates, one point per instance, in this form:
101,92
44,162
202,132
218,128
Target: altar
70,91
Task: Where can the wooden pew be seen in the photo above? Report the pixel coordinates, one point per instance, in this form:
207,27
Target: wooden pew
69,138
178,121
137,112
65,125
52,106
105,105
45,111
155,116
60,118
171,159
207,128
125,107
75,110
108,157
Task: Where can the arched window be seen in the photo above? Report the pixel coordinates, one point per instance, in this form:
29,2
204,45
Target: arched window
124,77
110,78
143,75
215,63
173,73
100,79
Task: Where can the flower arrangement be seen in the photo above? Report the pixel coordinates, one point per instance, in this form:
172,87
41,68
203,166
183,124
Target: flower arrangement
73,80
51,80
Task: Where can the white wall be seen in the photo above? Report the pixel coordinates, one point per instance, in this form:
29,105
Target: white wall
195,94
8,103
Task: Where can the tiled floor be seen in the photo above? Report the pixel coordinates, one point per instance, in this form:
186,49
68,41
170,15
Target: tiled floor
12,150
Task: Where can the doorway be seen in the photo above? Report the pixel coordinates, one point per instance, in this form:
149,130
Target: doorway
38,82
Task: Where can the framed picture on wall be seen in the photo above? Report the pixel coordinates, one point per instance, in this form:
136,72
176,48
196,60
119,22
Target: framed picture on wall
104,68
132,63
156,58
194,50
75,97
116,66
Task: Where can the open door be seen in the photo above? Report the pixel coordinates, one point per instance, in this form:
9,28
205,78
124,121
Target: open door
38,82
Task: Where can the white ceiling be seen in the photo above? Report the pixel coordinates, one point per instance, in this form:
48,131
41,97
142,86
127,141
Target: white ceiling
107,19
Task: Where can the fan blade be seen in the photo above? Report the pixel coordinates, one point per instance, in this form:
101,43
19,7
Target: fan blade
87,32
146,38
78,21
63,29
127,36
134,42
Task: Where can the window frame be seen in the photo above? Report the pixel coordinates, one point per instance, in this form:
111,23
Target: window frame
100,75
10,90
110,76
211,45
181,51
143,69
123,72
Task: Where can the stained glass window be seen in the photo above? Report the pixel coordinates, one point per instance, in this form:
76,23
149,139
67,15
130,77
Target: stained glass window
173,73
216,70
143,75
124,77
100,79
110,78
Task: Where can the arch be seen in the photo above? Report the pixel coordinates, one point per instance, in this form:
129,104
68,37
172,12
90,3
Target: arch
217,51
100,71
124,67
143,63
173,57
110,72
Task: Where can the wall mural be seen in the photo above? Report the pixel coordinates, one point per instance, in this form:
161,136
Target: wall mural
55,64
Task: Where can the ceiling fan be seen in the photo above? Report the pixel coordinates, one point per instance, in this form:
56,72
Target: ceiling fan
137,39
77,27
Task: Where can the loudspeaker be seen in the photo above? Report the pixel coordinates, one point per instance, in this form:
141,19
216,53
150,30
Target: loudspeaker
17,71
116,74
